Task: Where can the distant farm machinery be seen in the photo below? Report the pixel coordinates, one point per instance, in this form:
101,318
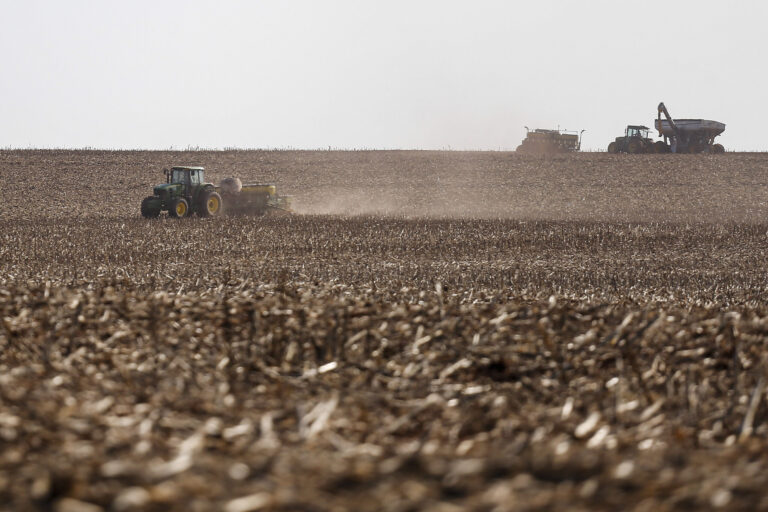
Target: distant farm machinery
185,192
635,140
540,141
688,135
680,136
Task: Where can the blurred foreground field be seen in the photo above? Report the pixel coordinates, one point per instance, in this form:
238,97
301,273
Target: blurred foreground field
433,331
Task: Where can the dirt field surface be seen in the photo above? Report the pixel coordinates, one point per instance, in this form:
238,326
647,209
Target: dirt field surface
431,331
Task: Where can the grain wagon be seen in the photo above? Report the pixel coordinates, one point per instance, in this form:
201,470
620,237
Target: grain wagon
688,135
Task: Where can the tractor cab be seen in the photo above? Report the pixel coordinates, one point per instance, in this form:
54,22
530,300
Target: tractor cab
637,131
185,175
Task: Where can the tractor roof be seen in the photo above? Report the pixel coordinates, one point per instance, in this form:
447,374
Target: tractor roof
638,127
184,167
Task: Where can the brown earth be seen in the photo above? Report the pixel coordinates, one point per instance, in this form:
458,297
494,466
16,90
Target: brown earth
433,331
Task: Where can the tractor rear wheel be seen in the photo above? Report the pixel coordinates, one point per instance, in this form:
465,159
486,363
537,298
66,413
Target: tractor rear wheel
613,148
209,204
634,147
179,208
148,210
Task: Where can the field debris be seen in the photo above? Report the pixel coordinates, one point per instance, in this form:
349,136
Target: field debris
464,412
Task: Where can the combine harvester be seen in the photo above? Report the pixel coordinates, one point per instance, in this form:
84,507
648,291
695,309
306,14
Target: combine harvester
541,141
688,135
185,192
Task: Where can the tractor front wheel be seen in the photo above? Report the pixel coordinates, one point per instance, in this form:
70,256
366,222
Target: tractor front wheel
209,204
148,209
660,147
613,148
718,148
179,208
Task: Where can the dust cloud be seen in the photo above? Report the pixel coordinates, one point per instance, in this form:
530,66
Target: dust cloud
591,187
424,201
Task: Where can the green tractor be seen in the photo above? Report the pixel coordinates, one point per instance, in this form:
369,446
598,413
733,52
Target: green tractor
635,140
184,192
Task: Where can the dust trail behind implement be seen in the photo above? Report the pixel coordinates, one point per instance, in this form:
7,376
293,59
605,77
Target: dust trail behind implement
600,187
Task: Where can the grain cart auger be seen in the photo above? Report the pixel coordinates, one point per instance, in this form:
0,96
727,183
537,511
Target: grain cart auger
185,192
688,135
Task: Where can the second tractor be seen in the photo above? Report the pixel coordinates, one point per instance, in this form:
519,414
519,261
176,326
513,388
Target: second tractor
635,140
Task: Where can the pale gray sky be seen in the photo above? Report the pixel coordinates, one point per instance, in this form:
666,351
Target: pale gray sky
365,74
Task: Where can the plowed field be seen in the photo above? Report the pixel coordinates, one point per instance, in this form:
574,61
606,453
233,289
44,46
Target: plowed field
430,331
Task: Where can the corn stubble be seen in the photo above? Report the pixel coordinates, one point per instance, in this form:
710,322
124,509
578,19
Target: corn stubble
412,357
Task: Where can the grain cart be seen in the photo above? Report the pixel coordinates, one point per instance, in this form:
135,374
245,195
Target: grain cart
185,192
549,141
634,141
688,135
